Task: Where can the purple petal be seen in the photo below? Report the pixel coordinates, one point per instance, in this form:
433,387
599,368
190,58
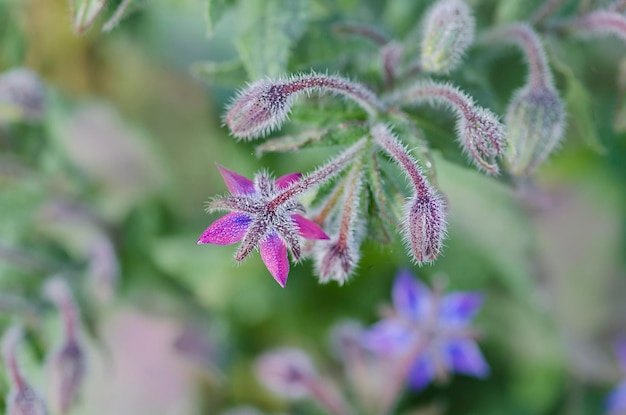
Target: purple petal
236,183
411,298
388,337
464,357
459,308
422,373
226,230
274,255
284,181
615,403
308,229
620,351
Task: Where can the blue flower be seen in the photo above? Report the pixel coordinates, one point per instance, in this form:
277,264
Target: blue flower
430,331
616,401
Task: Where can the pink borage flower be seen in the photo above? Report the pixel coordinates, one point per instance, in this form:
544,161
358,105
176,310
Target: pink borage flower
263,215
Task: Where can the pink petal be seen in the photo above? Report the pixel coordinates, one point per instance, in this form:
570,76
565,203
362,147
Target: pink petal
308,229
284,181
236,183
274,255
226,230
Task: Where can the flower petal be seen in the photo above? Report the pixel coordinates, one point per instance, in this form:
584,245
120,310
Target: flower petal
284,181
308,229
464,357
274,255
411,298
388,337
236,183
422,373
226,230
615,403
458,308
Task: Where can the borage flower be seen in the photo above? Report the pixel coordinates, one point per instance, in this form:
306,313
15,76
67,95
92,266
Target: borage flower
257,220
431,331
265,213
616,401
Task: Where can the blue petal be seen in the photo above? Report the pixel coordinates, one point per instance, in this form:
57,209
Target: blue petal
616,401
620,351
464,356
388,337
459,308
411,298
422,373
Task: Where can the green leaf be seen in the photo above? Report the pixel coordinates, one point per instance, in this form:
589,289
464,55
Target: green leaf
85,13
274,26
214,11
227,73
578,105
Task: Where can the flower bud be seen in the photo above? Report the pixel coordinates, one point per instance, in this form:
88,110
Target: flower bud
535,121
336,259
265,105
103,269
599,23
479,132
21,95
66,365
449,31
22,400
424,225
286,372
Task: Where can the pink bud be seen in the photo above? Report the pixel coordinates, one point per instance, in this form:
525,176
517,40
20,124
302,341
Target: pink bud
264,106
424,225
286,372
22,400
66,365
479,132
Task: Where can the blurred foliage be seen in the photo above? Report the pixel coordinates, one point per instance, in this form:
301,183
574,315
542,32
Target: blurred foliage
126,149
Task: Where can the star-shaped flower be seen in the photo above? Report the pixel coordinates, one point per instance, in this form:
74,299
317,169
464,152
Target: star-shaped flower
616,401
431,330
265,214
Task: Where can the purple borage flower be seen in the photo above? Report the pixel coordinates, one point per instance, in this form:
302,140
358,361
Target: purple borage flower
429,333
264,215
616,401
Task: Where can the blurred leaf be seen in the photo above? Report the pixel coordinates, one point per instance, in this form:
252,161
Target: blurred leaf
578,106
264,44
228,73
85,13
214,11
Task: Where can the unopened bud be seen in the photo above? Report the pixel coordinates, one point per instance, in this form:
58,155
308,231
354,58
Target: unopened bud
449,31
479,132
22,400
599,23
336,259
424,225
264,106
66,365
286,372
21,95
535,121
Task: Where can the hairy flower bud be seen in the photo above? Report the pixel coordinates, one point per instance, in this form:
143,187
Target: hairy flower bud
22,400
535,121
21,95
479,132
286,372
66,365
337,258
264,106
449,31
424,225
601,23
